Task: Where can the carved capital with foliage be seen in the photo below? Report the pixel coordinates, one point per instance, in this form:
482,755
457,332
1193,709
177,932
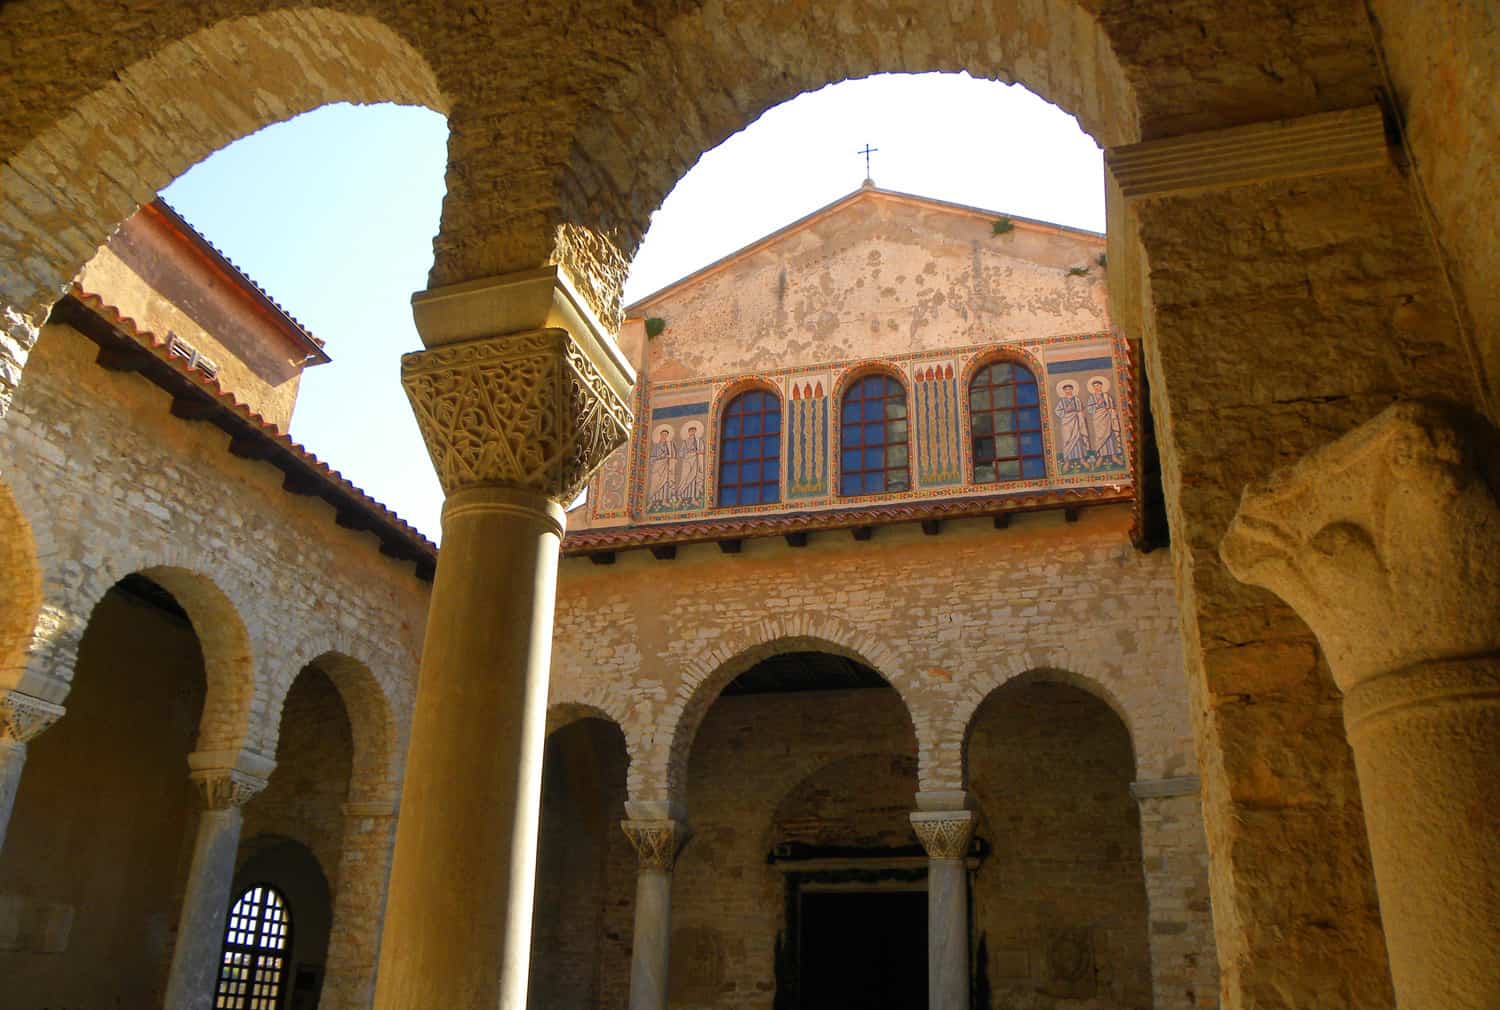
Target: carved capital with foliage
23,717
223,788
656,842
944,834
1386,541
528,410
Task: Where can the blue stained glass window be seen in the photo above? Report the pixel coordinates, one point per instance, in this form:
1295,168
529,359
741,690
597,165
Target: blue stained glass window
749,461
872,421
1003,397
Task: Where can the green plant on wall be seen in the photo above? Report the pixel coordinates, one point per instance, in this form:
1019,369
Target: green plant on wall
654,326
1102,260
1004,225
1077,271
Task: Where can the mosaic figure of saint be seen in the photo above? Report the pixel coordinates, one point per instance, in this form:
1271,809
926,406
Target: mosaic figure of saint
690,479
1072,428
660,481
1105,443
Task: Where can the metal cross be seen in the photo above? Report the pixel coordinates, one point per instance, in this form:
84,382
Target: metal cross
867,152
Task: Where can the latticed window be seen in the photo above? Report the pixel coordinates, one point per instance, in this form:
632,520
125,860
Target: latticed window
257,947
1007,424
873,437
750,450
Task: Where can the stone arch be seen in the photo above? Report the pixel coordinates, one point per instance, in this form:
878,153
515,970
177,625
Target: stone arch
215,607
713,72
371,705
20,588
72,183
969,709
711,669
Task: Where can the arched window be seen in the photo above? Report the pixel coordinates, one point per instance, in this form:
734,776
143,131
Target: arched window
872,437
257,949
750,450
1007,424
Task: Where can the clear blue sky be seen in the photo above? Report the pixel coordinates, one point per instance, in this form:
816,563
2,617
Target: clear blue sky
334,212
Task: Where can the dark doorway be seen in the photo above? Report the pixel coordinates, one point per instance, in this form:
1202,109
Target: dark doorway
863,950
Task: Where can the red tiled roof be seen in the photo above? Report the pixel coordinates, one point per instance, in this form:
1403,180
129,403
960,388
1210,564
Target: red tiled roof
422,549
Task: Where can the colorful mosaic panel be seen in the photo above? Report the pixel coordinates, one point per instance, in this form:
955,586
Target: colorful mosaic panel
1088,432
935,399
807,440
677,458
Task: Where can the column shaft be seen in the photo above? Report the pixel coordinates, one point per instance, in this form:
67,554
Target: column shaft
1426,742
12,760
651,940
947,935
458,922
200,929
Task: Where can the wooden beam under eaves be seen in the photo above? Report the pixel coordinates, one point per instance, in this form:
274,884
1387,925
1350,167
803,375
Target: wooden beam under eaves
664,552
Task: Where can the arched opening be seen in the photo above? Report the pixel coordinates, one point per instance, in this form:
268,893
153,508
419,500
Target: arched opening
1059,900
585,879
259,943
799,785
294,830
97,854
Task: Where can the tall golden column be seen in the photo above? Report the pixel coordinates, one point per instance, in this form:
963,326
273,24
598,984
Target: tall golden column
520,397
1387,543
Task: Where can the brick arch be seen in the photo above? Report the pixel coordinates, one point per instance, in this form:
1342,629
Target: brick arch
148,122
715,664
20,588
712,72
378,713
1101,683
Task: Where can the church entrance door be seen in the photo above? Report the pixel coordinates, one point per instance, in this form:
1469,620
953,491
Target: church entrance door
863,950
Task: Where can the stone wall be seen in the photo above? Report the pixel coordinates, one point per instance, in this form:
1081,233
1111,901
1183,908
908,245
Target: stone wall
946,620
97,853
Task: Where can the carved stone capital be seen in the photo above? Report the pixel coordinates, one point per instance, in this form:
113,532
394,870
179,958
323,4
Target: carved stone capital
223,788
945,834
528,410
23,717
1386,542
656,842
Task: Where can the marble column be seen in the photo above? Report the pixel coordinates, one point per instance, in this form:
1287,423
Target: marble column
22,718
945,835
656,844
1387,543
520,397
205,904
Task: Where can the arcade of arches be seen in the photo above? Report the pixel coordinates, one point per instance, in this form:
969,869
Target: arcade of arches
1302,221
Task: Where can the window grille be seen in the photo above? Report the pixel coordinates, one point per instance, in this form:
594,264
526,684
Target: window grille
257,949
1006,419
873,437
750,450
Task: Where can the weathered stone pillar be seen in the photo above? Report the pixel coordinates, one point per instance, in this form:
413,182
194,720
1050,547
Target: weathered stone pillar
358,905
22,718
945,835
227,783
515,424
1387,543
656,843
1174,858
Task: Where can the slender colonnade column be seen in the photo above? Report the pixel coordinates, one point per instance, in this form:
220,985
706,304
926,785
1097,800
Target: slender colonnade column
22,718
520,397
945,835
1387,543
656,845
205,904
